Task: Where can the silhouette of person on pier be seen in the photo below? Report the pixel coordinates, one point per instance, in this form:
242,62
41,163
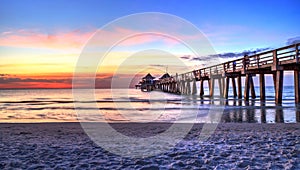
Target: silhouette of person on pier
233,66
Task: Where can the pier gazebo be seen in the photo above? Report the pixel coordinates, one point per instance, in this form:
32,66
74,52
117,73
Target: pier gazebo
148,83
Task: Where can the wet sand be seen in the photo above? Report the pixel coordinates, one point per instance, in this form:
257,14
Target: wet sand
232,146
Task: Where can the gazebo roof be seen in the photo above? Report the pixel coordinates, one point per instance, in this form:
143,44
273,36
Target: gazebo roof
148,76
166,75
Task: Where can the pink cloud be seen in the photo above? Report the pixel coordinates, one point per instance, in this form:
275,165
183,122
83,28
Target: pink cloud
128,37
146,37
77,39
35,39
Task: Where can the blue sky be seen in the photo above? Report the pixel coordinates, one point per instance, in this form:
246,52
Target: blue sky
32,13
232,20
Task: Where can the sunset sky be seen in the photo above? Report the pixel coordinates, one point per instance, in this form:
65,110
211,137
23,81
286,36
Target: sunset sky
40,41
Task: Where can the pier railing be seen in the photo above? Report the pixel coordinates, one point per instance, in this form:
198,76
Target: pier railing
269,62
281,56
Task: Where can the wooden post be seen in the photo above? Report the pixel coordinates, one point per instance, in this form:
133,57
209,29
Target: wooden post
212,86
274,79
209,85
167,87
226,88
247,87
297,54
279,87
188,86
252,88
173,85
262,87
244,65
257,61
221,88
201,88
176,86
194,91
182,87
233,87
275,60
239,83
297,86
223,85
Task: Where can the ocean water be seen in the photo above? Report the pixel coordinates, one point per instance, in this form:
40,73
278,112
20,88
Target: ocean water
132,105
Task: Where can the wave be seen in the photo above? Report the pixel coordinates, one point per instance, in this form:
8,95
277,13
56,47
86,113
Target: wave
91,101
193,108
139,100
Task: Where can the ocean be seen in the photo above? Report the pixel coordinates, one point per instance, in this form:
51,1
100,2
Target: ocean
132,105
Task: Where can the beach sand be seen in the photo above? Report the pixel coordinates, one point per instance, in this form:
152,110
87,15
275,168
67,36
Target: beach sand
232,146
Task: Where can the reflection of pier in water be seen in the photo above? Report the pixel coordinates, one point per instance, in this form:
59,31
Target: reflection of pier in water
252,111
246,111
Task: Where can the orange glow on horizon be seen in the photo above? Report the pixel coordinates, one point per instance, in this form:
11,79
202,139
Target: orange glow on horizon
63,81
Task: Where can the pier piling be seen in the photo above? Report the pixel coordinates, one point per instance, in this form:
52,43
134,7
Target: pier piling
262,87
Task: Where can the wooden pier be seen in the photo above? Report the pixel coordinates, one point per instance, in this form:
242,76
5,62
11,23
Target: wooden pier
273,62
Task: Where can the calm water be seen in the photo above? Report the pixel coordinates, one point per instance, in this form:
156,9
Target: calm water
131,105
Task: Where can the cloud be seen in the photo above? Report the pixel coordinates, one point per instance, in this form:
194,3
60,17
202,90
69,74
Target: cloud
186,57
35,39
8,81
3,75
77,38
293,40
158,65
229,54
4,80
6,33
14,81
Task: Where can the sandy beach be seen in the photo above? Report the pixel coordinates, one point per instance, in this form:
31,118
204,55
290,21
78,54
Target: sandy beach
232,146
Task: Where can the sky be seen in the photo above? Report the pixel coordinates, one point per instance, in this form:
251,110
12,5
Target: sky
41,41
